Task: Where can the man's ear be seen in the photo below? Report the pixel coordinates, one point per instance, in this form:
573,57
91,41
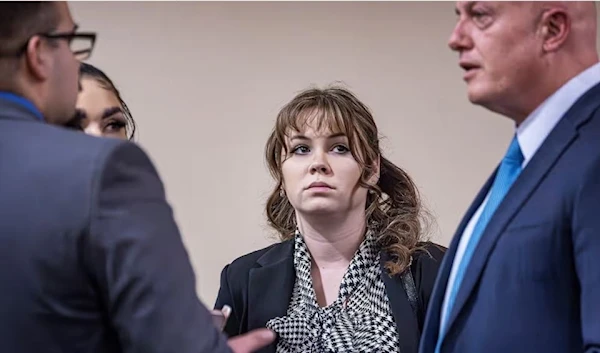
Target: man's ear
38,58
555,28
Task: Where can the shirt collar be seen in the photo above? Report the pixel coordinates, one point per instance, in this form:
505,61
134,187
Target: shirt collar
538,125
22,101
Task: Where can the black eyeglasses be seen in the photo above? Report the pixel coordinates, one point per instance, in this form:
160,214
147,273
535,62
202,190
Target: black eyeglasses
81,44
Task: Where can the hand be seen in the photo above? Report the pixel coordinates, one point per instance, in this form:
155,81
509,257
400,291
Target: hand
220,316
251,341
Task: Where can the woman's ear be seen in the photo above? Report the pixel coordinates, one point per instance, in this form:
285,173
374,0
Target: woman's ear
374,179
281,189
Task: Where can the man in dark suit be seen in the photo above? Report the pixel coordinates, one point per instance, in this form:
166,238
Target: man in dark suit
522,273
92,260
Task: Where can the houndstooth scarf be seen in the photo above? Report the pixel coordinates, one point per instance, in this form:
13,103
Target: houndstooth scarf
359,320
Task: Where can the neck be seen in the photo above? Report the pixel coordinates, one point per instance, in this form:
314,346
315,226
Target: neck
553,81
26,89
333,241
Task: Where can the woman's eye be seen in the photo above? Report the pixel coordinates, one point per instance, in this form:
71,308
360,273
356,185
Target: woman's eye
341,149
115,126
300,149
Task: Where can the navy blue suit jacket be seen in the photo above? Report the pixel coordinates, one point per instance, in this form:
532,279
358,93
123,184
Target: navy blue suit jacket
533,284
91,259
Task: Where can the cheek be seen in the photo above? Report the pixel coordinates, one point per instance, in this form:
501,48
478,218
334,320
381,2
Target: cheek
509,61
73,68
348,172
292,175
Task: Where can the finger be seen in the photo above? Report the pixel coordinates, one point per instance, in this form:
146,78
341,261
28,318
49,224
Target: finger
218,318
252,341
226,310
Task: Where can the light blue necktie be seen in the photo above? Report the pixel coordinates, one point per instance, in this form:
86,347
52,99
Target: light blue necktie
509,170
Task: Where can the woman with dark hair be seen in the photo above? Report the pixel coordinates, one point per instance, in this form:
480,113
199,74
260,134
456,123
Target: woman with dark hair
100,109
352,272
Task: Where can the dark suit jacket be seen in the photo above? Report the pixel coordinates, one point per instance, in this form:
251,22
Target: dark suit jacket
91,258
259,287
533,284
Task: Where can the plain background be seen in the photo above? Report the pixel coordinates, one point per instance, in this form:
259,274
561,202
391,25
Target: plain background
205,80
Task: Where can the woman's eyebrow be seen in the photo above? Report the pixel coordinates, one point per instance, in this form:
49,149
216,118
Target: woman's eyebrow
111,111
302,137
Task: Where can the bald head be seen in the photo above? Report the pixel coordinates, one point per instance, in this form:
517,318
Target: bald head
581,18
516,54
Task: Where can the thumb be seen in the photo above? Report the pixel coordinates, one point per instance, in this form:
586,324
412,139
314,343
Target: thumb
252,341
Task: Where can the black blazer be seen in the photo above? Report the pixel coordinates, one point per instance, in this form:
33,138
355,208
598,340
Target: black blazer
259,286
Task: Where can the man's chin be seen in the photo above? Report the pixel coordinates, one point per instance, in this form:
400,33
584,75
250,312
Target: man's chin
487,100
477,96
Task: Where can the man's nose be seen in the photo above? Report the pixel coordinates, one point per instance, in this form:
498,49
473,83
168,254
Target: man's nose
459,40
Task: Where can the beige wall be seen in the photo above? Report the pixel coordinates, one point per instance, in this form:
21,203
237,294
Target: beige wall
204,82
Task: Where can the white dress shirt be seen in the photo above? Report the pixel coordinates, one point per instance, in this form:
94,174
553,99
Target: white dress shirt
530,134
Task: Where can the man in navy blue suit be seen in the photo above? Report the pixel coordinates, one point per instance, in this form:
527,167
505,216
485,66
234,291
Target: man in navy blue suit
91,259
522,273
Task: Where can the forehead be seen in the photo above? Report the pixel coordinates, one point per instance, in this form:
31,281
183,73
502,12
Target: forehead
66,20
94,98
465,6
315,122
312,133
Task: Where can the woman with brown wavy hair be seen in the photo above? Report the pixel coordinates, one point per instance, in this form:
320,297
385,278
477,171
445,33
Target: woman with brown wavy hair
352,272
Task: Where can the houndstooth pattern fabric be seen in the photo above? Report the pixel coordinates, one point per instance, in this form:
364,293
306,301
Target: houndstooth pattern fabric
360,319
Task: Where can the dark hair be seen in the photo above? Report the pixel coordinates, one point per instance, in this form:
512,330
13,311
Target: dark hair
88,70
19,21
393,209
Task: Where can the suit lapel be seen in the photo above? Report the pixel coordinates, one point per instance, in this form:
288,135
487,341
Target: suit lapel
434,311
549,152
270,286
408,332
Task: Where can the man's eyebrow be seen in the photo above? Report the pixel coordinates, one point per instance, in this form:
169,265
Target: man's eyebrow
468,5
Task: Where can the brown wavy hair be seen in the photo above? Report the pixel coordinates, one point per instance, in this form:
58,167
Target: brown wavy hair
393,209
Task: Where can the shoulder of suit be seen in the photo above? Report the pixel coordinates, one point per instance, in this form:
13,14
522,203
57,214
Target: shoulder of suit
250,260
427,259
429,254
75,143
64,150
